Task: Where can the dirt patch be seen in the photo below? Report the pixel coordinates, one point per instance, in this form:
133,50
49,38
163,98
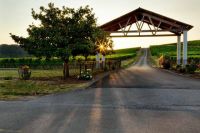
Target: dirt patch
58,80
195,75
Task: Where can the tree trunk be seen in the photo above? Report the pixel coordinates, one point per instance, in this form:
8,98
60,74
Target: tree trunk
66,69
86,57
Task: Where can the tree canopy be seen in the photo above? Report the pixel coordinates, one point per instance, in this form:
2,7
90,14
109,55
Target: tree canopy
61,33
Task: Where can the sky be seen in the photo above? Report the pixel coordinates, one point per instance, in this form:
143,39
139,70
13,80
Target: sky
15,16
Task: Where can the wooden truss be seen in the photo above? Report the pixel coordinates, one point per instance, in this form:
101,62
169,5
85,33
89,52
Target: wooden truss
154,29
157,25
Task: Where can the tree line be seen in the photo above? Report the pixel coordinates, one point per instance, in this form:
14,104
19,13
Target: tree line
12,51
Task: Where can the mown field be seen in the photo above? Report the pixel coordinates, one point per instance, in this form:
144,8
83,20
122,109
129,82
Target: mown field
170,49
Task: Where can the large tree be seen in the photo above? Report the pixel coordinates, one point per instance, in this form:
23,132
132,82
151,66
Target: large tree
61,33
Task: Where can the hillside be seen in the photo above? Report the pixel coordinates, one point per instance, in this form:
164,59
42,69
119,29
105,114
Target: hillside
170,49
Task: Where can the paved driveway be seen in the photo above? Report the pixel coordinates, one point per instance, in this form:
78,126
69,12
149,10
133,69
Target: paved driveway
139,99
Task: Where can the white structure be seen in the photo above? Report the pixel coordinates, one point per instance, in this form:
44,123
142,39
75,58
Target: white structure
185,49
185,45
178,50
97,60
103,61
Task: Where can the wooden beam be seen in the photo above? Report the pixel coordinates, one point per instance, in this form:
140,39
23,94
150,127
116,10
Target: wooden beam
162,20
162,35
136,31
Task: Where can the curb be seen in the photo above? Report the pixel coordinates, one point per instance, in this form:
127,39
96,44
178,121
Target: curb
96,80
175,73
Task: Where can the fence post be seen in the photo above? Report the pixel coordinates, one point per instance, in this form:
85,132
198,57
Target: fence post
80,68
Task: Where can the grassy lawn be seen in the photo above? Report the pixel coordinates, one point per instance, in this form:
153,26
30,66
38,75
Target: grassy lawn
14,89
35,73
130,61
42,82
170,49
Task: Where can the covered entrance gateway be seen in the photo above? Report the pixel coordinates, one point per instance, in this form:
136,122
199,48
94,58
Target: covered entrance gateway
158,26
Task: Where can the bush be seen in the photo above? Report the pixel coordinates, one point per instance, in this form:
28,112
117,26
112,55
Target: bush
180,69
86,74
8,78
164,61
191,68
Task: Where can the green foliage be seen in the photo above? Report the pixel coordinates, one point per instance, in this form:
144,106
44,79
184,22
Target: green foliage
34,63
170,49
59,31
104,43
8,78
85,74
164,61
62,33
191,68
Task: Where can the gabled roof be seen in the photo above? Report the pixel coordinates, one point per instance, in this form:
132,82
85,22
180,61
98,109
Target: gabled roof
148,17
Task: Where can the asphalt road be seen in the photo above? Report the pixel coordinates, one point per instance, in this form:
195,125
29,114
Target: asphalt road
139,99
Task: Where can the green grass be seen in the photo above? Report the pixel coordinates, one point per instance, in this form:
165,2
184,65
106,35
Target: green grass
126,51
117,54
170,49
34,73
130,61
14,89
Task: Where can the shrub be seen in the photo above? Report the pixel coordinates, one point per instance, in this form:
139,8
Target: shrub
24,72
191,68
180,69
86,74
7,78
164,61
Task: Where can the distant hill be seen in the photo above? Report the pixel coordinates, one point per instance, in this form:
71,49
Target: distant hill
12,51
